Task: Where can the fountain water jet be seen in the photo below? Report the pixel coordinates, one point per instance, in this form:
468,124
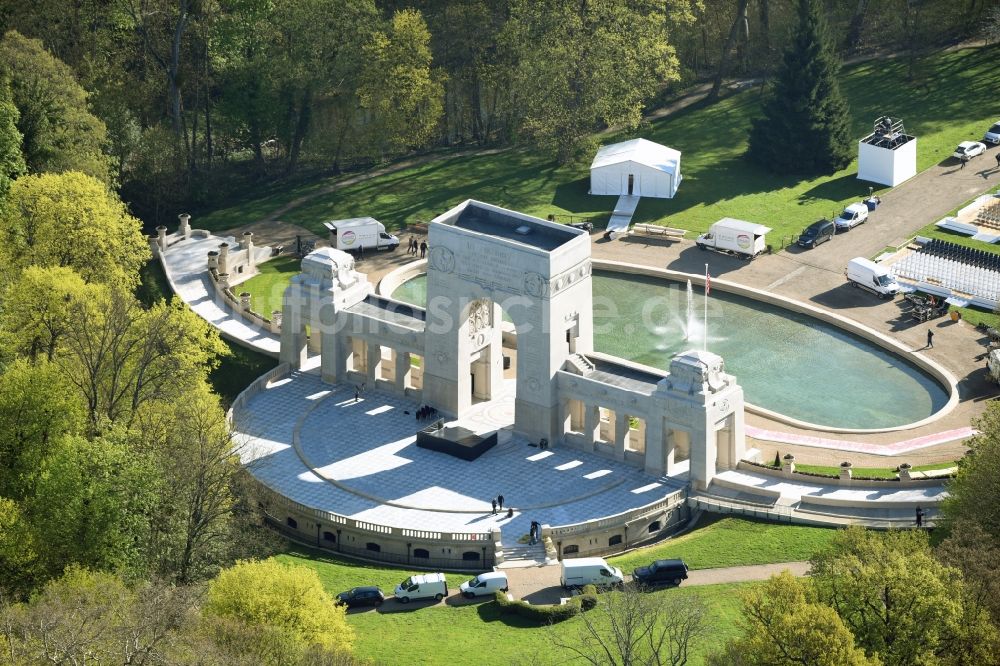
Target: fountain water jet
689,326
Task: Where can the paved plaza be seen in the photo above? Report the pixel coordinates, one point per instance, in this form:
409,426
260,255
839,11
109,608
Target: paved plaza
315,444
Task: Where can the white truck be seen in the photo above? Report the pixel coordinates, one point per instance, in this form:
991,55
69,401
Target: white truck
743,239
360,233
423,586
866,274
580,571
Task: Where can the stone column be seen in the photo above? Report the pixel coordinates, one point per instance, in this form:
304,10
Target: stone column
224,258
402,371
213,260
161,238
592,424
247,244
185,228
654,458
621,434
374,359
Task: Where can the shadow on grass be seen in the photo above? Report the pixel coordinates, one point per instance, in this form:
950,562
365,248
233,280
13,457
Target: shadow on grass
837,189
491,613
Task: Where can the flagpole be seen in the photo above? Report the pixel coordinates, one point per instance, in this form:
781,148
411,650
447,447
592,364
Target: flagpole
707,287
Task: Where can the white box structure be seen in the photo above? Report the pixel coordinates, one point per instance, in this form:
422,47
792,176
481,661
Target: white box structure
888,155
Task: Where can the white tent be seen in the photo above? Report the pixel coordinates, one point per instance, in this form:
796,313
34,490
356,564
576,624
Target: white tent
637,167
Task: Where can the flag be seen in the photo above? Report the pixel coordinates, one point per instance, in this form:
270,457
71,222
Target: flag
708,281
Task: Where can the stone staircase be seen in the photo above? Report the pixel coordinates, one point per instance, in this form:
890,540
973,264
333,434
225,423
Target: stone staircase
520,555
578,364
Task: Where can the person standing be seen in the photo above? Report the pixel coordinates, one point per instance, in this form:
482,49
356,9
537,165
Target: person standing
930,339
998,160
500,501
494,503
423,249
920,516
965,160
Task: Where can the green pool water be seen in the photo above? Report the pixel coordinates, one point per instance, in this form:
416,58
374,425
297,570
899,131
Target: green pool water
785,361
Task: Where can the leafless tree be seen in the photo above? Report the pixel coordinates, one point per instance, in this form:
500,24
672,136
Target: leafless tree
636,627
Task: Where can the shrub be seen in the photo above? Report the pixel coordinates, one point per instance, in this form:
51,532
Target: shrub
547,614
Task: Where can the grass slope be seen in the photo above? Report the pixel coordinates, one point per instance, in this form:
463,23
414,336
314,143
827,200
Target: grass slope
717,181
268,286
441,634
727,542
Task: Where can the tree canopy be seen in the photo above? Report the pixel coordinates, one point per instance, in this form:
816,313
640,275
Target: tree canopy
805,127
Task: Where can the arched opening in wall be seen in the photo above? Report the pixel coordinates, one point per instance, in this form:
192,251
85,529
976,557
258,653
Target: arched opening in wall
615,540
635,441
470,556
291,522
493,351
356,355
606,432
571,550
415,378
373,547
329,536
681,440
655,526
421,553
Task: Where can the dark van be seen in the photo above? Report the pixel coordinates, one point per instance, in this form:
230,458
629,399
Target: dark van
816,233
661,572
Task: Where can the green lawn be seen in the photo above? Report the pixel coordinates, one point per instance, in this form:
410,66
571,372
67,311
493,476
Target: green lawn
442,634
717,181
236,371
268,286
870,472
726,541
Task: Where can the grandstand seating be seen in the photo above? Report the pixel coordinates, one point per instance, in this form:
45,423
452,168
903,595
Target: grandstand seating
956,267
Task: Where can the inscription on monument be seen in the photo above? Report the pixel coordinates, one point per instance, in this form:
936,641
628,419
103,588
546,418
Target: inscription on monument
489,265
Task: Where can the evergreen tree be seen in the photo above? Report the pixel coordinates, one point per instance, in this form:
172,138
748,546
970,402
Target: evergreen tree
806,124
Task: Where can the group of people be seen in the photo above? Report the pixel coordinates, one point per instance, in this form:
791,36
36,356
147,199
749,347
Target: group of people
414,247
426,412
497,502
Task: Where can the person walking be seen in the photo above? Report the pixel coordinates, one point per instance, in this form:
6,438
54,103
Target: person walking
500,501
998,159
930,339
965,160
920,516
357,393
423,249
494,503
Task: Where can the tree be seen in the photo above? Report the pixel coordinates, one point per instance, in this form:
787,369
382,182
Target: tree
636,627
899,602
93,617
11,159
122,357
72,220
59,132
18,554
37,409
581,65
782,627
398,88
805,127
286,603
93,504
37,308
199,457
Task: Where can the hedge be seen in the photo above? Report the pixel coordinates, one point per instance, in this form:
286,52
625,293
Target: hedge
548,614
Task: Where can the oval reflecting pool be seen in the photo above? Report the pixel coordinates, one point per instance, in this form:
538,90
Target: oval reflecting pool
786,362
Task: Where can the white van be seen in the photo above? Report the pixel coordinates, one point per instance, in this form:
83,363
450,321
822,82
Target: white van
589,571
866,274
424,586
484,584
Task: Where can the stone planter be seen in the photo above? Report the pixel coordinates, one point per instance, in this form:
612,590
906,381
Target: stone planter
904,472
213,260
185,228
161,237
788,464
245,300
845,471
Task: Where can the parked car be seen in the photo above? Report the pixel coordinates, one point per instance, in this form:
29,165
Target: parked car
852,216
993,134
577,572
876,278
969,149
816,233
661,572
361,596
484,584
424,586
